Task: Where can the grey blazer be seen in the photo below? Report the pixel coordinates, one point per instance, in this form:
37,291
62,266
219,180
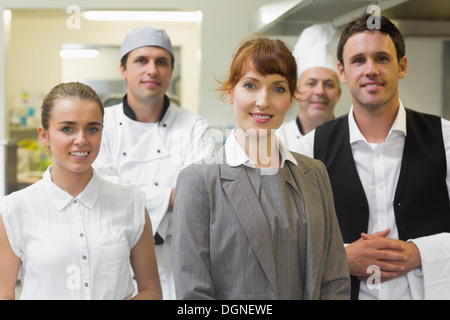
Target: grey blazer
221,241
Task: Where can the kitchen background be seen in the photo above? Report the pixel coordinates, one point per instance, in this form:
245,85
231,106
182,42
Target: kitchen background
35,37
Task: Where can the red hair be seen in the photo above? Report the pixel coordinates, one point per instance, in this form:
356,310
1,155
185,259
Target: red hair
265,56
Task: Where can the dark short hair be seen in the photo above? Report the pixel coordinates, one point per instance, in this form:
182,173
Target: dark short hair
360,24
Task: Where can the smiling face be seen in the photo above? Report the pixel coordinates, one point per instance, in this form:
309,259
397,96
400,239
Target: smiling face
73,135
260,102
319,92
371,69
148,73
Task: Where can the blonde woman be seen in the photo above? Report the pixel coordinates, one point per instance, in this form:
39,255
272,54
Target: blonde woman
72,234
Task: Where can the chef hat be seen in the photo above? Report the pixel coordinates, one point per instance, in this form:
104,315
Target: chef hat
316,47
145,36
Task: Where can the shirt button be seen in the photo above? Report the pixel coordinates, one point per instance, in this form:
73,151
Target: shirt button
75,201
84,257
86,284
82,235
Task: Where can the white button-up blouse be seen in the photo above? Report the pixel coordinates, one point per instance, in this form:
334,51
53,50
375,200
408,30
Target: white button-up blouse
74,248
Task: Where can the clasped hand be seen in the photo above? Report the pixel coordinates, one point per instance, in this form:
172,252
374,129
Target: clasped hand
393,257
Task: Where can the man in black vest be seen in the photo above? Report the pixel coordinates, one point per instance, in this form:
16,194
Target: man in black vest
389,172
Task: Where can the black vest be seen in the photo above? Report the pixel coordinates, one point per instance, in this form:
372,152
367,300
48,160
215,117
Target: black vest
421,202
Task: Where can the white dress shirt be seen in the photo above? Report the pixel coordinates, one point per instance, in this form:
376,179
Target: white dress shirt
74,248
378,167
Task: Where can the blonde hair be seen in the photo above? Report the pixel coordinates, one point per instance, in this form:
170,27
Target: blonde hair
63,90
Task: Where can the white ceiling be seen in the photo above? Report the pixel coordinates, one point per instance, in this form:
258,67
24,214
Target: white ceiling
421,17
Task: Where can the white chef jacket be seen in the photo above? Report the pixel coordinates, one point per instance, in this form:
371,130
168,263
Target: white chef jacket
74,248
150,156
290,134
378,167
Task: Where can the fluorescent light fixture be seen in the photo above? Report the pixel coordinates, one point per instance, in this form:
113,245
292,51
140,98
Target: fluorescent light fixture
78,53
165,16
272,11
7,14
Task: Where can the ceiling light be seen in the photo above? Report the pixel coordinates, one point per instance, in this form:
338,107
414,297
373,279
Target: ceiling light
78,53
165,16
272,11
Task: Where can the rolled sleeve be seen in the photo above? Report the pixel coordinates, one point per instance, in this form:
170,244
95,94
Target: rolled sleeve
435,276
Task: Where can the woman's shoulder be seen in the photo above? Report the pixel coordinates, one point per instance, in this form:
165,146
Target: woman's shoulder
200,168
207,170
311,165
19,204
30,193
306,160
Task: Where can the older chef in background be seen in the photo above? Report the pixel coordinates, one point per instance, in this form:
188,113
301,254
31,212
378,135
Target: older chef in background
147,140
319,86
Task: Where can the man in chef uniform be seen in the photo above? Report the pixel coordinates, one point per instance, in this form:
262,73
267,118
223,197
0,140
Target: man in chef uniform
319,86
147,140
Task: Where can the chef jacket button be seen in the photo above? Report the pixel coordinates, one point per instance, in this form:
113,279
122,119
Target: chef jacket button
86,284
84,257
124,153
120,123
156,183
157,239
81,235
164,125
159,151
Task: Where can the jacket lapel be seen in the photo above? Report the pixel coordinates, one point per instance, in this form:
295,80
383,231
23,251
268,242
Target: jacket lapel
308,187
245,203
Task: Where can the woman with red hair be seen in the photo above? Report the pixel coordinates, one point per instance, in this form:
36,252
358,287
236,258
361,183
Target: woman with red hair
257,221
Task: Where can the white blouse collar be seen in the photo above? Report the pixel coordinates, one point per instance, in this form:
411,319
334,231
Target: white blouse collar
236,156
61,198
